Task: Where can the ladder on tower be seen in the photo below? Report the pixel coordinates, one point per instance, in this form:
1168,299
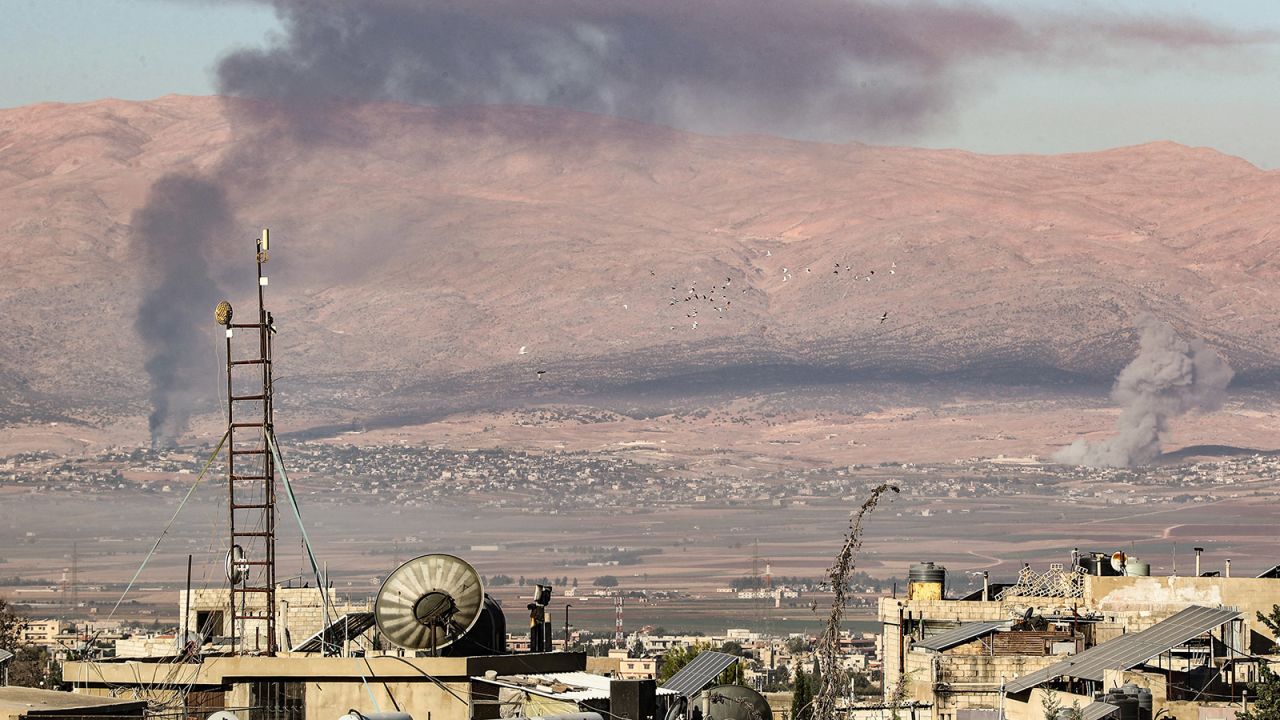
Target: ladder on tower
251,479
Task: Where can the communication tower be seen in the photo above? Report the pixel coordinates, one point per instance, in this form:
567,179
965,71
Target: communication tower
251,472
618,639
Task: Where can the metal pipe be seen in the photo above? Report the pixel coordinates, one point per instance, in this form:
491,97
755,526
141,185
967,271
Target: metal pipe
566,626
186,610
986,585
1228,567
1198,551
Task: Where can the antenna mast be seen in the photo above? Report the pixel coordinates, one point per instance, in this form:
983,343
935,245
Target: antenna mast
251,478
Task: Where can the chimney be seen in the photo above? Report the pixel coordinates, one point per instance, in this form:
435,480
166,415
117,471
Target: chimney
986,586
1198,551
1228,573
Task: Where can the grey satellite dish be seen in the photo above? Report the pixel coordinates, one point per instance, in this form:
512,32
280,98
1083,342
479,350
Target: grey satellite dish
223,715
191,636
429,602
733,702
236,567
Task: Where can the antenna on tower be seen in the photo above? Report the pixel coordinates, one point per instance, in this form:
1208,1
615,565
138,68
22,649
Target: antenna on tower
251,472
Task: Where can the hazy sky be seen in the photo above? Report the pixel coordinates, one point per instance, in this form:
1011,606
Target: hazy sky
1224,97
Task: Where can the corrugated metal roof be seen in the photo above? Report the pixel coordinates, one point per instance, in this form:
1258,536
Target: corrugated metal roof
567,686
959,635
1130,650
5,656
701,670
1097,710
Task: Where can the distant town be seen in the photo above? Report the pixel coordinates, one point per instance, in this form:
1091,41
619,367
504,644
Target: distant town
555,481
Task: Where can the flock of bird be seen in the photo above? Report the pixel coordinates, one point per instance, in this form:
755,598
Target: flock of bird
719,303
695,302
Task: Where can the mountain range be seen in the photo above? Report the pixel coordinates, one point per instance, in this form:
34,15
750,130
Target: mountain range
431,258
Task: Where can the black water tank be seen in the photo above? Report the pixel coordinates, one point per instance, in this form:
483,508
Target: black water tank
1128,705
1145,704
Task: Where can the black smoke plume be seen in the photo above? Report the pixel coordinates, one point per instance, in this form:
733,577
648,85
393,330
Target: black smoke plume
831,69
1169,377
171,234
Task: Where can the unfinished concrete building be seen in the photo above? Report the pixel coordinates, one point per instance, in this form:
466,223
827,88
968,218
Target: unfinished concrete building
962,656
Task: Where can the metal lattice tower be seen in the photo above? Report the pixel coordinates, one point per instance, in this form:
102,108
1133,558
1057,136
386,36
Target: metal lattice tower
618,638
251,477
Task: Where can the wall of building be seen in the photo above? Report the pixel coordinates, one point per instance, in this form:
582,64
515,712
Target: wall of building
1150,599
1033,707
332,685
299,612
962,682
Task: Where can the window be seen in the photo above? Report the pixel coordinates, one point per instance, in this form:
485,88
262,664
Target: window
277,700
209,623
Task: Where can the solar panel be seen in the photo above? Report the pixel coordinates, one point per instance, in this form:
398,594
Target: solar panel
349,626
958,635
5,656
1098,711
701,670
1130,650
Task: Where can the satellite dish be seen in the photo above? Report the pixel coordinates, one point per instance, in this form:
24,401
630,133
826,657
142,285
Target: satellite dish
734,702
223,715
191,636
1117,561
429,602
236,567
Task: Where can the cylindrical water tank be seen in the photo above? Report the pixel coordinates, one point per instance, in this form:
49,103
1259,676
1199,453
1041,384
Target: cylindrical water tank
1145,704
1128,705
926,581
1136,568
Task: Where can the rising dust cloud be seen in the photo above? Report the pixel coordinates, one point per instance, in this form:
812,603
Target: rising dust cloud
1169,377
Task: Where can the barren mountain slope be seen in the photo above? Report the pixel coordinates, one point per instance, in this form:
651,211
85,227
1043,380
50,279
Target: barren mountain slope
419,250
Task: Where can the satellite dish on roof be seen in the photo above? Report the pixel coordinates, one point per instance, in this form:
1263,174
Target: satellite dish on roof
181,640
223,715
429,602
1117,561
235,565
734,702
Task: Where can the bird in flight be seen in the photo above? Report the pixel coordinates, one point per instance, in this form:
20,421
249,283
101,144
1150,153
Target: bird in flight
523,350
884,316
541,373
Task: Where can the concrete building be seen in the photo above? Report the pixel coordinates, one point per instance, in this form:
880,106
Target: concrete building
19,703
42,632
311,687
956,655
300,613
